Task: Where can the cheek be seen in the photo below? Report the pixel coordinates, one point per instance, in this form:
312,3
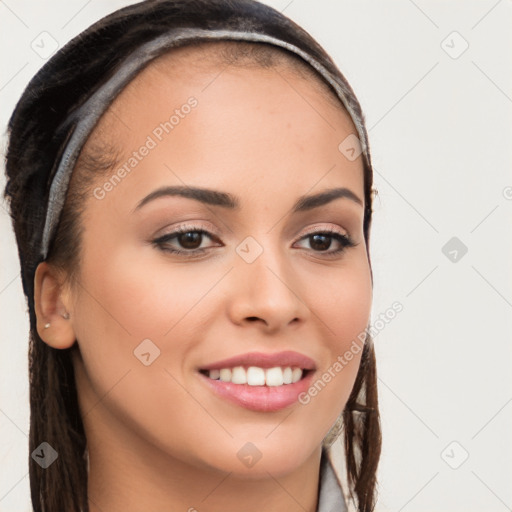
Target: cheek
343,307
342,301
129,297
132,297
123,300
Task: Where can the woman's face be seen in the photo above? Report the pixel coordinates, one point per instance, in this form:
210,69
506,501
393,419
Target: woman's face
155,327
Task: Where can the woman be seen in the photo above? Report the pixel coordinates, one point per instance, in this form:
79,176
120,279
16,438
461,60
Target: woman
191,190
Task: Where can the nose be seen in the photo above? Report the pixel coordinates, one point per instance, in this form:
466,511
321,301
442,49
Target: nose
266,293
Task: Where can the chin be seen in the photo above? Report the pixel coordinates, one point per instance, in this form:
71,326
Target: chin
256,458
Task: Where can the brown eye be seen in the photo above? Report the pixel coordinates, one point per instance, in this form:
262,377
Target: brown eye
190,239
186,241
321,242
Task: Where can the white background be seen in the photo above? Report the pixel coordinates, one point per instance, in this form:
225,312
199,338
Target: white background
440,135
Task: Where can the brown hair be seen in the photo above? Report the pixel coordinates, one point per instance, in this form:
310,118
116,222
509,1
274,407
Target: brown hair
36,140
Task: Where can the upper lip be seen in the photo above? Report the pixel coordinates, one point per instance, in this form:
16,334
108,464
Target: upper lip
262,360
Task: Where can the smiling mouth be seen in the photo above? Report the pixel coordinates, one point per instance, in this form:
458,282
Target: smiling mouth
257,376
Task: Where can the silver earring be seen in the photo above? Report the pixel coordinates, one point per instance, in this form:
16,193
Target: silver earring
66,316
46,325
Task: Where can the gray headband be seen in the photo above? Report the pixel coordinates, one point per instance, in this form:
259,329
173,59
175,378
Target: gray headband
90,112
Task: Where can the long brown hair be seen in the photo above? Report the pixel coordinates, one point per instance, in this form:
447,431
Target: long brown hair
37,138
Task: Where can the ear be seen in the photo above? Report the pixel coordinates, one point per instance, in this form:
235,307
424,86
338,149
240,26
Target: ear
52,307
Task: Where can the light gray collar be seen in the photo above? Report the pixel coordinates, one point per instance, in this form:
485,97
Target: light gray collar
330,496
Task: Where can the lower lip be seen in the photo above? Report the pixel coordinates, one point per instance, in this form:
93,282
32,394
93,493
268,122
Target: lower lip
260,398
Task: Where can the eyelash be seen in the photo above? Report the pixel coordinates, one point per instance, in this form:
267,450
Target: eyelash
162,242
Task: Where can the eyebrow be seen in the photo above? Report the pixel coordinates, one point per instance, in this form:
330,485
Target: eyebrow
227,200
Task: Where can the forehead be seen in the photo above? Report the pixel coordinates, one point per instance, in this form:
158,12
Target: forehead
200,63
249,123
215,56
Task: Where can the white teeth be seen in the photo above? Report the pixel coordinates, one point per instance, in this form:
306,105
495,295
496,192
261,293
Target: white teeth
225,375
296,375
274,376
256,376
238,375
214,374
